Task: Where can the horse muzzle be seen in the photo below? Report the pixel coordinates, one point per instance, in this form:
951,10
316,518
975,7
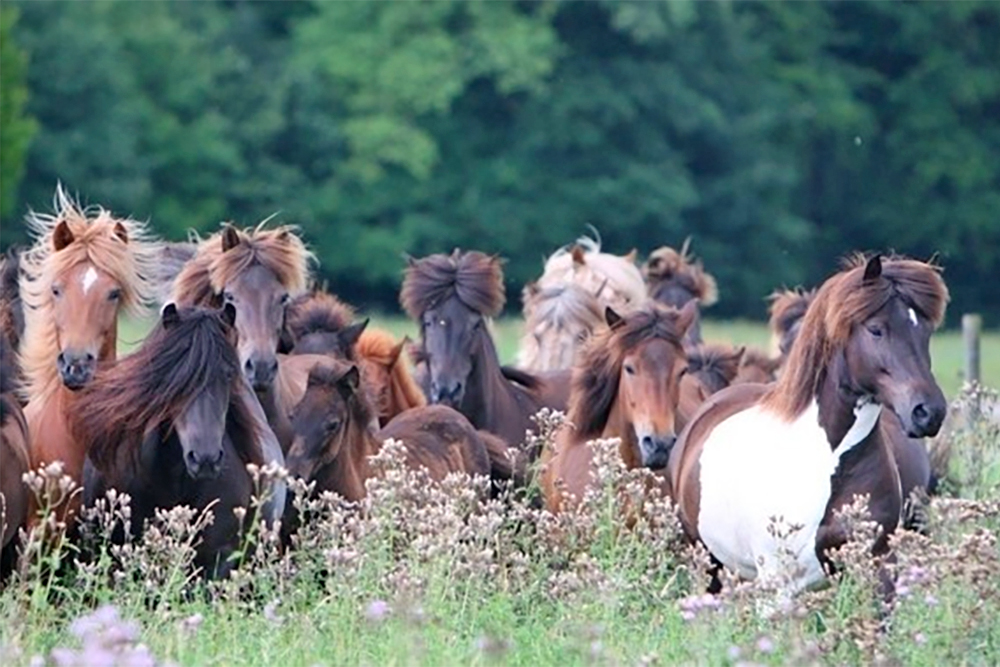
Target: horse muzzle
261,372
656,450
76,369
203,467
447,394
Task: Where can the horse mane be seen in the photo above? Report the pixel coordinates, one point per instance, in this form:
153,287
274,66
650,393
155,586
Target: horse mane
97,240
328,375
760,359
378,346
280,250
10,295
521,377
787,307
597,372
172,259
125,402
668,265
315,312
8,369
473,277
563,303
844,301
619,274
720,361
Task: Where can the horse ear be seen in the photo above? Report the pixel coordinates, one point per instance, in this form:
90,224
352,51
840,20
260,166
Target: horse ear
61,236
631,255
121,232
686,317
229,314
396,351
352,332
230,238
531,290
170,316
577,253
873,269
283,235
349,382
739,352
613,319
411,261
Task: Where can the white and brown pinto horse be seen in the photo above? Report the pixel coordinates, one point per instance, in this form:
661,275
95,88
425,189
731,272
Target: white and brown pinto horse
802,448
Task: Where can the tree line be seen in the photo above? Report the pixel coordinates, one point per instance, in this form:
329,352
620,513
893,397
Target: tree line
779,136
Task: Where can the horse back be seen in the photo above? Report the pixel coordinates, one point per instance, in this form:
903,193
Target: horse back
440,439
13,464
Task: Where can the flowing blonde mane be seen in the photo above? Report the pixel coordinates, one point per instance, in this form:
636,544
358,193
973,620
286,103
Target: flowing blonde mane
566,307
281,250
615,280
379,347
98,240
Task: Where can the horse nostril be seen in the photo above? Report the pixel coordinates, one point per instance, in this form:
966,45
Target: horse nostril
646,442
920,415
274,367
192,460
61,358
249,366
89,358
670,441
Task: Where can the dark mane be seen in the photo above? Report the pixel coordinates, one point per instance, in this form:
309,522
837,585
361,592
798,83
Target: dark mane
11,307
598,369
787,307
523,378
8,367
149,388
317,312
719,362
843,302
329,375
666,266
475,278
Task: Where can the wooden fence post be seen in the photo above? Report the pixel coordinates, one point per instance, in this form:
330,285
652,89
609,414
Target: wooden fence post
971,324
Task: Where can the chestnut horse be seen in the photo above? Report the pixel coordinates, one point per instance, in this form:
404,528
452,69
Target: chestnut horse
390,382
559,319
912,458
757,367
626,385
334,436
451,297
674,278
14,459
803,447
84,269
171,425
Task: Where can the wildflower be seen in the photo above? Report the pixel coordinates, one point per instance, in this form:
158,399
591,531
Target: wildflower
377,610
269,612
765,645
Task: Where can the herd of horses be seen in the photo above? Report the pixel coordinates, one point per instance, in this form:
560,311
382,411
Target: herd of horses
252,361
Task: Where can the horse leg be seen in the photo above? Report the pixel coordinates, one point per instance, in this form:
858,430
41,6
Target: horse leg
276,489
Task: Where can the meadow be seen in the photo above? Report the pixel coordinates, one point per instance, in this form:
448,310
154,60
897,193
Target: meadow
425,574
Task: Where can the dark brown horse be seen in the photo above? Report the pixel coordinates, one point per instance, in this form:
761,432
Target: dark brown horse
171,425
320,323
14,458
334,435
788,308
451,297
626,385
803,447
674,278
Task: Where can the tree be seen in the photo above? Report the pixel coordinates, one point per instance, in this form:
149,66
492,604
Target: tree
16,127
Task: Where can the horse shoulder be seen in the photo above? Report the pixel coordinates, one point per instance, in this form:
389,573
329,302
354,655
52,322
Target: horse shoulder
567,470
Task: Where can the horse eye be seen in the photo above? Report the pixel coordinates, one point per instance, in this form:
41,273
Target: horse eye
114,295
56,291
228,296
875,330
332,425
285,299
630,369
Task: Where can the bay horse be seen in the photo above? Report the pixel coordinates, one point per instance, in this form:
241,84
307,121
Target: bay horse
334,435
674,278
559,319
788,308
626,385
451,297
614,279
803,447
85,268
171,425
14,459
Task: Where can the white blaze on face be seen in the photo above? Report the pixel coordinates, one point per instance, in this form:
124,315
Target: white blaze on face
89,278
913,316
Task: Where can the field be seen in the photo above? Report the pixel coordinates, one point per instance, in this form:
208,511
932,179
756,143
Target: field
426,575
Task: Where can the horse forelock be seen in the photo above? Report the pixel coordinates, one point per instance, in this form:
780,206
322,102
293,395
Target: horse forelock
843,302
280,250
666,265
564,304
721,361
319,312
474,278
360,404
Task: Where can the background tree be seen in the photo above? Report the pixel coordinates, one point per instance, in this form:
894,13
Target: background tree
17,128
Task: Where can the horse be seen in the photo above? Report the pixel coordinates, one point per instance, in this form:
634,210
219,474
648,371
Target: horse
319,323
451,297
85,268
172,258
334,436
626,385
614,279
757,367
391,384
674,278
912,458
171,425
559,319
803,447
14,459
259,271
11,307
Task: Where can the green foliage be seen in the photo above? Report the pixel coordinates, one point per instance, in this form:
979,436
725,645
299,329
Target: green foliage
779,135
16,129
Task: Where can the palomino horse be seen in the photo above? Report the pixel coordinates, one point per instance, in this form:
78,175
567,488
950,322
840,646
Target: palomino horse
259,271
615,280
559,319
334,437
85,268
171,425
451,297
626,385
14,458
675,278
912,458
802,448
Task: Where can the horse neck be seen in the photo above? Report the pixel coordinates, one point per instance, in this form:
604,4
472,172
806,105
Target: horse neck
276,414
843,413
489,395
347,473
620,426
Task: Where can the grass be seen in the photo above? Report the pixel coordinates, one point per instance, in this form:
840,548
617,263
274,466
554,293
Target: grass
947,352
